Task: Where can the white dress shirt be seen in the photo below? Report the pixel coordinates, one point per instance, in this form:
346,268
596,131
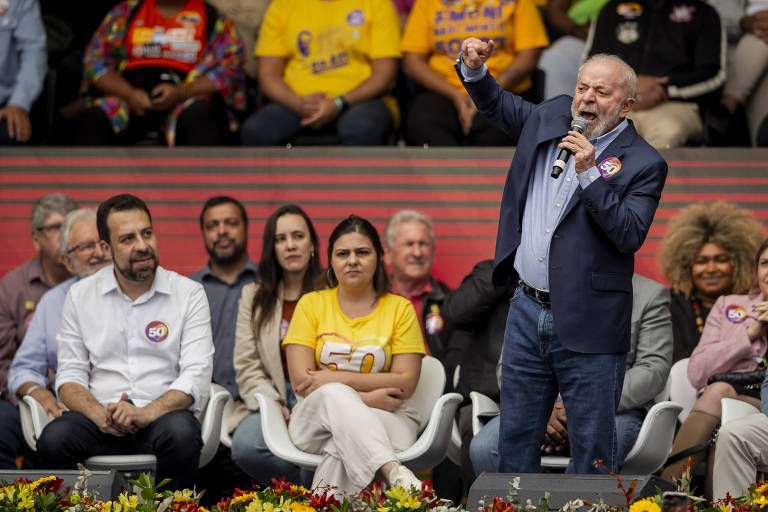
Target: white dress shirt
112,345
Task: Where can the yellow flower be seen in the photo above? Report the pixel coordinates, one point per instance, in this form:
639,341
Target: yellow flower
185,495
724,508
396,493
75,499
409,502
301,507
254,506
34,485
128,501
760,500
25,499
645,505
243,498
762,488
106,507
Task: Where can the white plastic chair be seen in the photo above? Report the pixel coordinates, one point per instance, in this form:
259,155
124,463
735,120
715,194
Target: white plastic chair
651,449
34,419
680,388
732,409
435,425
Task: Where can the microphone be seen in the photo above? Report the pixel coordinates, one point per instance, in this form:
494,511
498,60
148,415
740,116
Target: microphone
578,124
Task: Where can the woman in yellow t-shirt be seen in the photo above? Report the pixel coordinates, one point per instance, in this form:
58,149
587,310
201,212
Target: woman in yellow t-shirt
354,355
289,267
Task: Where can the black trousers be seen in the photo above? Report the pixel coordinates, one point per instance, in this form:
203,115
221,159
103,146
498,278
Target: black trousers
174,438
432,119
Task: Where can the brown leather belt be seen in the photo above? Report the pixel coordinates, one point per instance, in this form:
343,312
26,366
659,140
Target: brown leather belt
536,294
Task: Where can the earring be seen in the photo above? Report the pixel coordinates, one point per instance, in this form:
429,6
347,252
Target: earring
312,253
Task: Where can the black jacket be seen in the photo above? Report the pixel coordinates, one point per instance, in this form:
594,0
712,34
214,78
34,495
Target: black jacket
476,306
681,39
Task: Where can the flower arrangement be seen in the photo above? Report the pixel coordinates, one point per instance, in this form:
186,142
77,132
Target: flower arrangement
46,495
43,495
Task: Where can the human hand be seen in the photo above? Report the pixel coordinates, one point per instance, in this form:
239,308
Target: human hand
103,421
582,150
387,399
139,102
126,416
556,437
475,52
17,121
165,96
325,113
310,104
314,379
650,91
44,397
466,110
286,411
760,326
756,24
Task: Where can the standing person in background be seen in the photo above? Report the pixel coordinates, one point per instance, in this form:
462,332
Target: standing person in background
328,67
23,63
444,114
707,252
289,268
566,247
20,291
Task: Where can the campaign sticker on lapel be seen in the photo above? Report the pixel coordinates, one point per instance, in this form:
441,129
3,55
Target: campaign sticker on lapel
609,167
4,5
735,314
629,10
434,323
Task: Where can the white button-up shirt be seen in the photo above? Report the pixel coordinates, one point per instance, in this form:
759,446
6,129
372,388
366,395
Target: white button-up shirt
112,345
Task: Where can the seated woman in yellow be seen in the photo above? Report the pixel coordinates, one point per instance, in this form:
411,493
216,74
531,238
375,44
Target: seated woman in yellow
354,356
328,67
445,115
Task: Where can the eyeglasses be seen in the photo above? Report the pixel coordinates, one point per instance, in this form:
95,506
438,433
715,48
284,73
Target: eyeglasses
85,246
50,228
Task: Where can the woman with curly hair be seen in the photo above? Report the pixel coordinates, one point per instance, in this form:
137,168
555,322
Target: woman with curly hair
707,252
733,341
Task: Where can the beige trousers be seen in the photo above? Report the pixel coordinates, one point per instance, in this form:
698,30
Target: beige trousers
669,124
355,440
742,445
748,79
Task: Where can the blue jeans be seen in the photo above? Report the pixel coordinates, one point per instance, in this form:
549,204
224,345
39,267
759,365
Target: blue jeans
250,452
535,367
369,123
484,448
11,439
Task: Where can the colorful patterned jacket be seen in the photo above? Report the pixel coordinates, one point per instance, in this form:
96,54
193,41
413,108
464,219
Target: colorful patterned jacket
221,61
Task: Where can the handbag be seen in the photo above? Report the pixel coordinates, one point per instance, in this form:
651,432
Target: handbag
745,383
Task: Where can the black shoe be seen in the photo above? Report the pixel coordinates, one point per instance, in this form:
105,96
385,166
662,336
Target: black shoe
718,122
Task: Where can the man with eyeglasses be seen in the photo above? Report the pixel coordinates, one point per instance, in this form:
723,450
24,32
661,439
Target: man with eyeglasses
20,290
82,254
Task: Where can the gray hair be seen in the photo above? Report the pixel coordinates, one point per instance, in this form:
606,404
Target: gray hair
628,75
46,205
406,216
73,218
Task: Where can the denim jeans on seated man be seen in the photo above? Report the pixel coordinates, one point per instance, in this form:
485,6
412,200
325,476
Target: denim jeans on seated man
369,123
535,368
484,448
250,452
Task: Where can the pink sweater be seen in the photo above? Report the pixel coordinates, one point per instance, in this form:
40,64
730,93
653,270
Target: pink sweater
724,345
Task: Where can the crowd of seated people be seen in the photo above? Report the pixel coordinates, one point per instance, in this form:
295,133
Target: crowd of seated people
277,327
255,72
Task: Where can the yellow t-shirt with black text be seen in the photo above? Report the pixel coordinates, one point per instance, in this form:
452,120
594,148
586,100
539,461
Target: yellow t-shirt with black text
437,28
328,45
364,344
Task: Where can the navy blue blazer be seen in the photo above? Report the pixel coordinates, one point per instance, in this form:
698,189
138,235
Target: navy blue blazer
592,254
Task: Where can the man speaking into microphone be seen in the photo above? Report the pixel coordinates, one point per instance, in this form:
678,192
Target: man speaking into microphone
566,246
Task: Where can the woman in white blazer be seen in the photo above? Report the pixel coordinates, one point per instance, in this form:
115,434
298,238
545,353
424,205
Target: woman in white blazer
289,268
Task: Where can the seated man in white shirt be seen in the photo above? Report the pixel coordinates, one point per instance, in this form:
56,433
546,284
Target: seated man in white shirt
135,356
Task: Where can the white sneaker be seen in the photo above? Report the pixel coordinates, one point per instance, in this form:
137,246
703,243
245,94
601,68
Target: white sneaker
401,476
